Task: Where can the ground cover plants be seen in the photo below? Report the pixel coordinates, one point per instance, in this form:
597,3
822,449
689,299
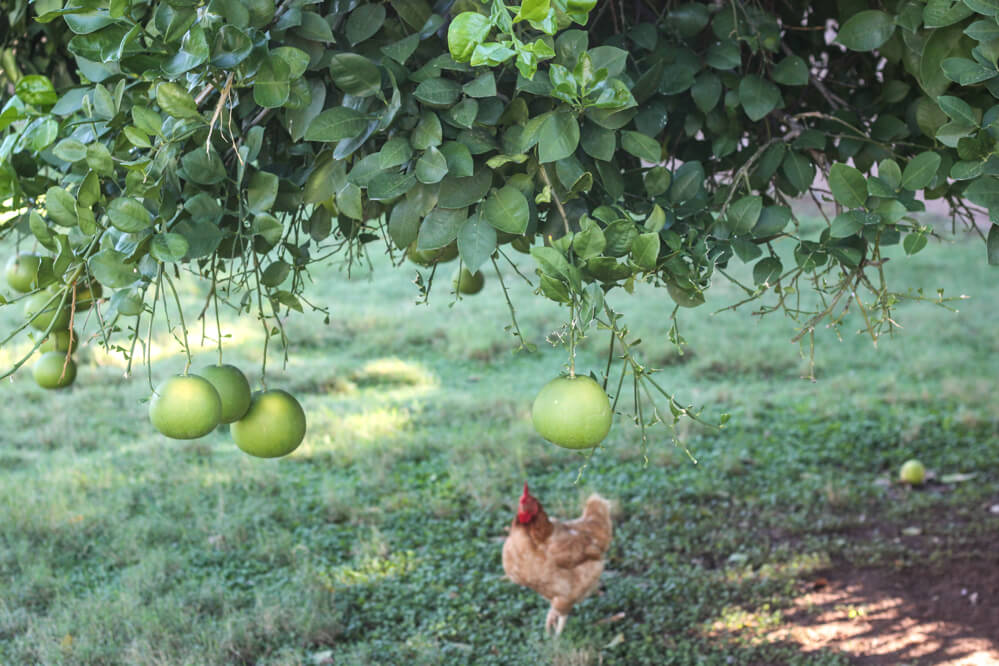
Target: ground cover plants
378,540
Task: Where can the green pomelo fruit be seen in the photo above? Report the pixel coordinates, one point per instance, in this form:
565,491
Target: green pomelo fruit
469,283
185,407
572,413
232,387
48,370
273,427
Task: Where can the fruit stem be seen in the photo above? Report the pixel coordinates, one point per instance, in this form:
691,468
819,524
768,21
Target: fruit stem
215,297
558,202
183,324
572,337
513,312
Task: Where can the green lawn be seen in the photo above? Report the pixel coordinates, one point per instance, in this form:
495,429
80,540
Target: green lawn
379,540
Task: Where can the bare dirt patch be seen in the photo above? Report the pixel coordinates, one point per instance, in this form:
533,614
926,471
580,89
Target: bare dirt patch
914,617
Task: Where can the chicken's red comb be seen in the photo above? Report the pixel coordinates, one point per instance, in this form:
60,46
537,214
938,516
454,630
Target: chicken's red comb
526,492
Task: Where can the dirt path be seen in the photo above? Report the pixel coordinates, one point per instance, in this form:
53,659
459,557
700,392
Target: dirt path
881,618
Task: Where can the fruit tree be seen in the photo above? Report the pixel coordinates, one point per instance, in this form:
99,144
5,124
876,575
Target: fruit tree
246,142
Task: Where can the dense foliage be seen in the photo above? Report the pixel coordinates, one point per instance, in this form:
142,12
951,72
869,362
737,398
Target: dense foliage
250,142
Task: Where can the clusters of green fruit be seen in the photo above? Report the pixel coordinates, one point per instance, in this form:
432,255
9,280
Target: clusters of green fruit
34,274
266,424
464,281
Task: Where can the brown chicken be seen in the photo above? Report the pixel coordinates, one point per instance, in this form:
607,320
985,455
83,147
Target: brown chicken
560,561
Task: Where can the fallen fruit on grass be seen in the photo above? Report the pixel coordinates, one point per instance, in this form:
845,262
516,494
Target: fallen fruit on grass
572,412
233,390
48,370
913,472
185,407
273,427
467,282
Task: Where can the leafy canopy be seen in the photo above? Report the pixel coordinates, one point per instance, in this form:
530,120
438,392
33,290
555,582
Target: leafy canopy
247,141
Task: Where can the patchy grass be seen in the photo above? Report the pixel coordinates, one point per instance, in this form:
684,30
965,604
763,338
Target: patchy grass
378,541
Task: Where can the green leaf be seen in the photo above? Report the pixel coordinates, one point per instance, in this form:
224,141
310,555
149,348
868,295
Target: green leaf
983,31
203,168
791,71
467,31
261,192
744,213
688,182
389,185
890,173
272,84
176,101
193,51
70,150
394,152
314,28
355,75
913,243
706,91
645,251
610,58
767,271
99,159
438,93
476,242
110,269
461,192
61,207
482,86
589,241
758,96
428,132
846,224
335,124
848,185
939,46
598,142
558,137
129,215
772,221
921,170
276,273
959,110
941,13
431,167
401,50
440,227
967,72
230,47
641,146
551,262
866,30
364,22
168,247
799,170
459,159
507,209
992,245
37,90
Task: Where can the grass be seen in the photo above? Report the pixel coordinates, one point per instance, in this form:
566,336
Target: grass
378,541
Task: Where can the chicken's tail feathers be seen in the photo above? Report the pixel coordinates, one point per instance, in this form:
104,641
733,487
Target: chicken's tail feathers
597,507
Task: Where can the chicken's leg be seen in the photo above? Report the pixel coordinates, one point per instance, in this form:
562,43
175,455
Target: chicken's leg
555,620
